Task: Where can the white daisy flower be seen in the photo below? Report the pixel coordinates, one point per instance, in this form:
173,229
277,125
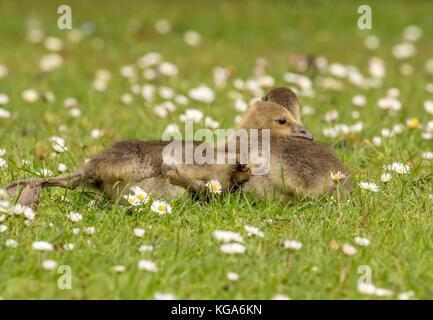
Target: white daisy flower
11,243
4,99
232,276
168,69
214,186
119,268
382,292
139,232
145,248
164,296
42,246
75,113
428,106
280,296
90,230
232,248
202,93
75,216
359,100
30,95
140,194
227,236
369,186
68,246
4,113
160,207
253,231
53,44
62,167
49,264
193,38
3,228
3,71
126,98
132,200
366,288
96,133
372,42
403,50
427,155
149,59
385,177
406,295
349,250
162,26
75,230
147,265
362,241
50,62
58,144
292,244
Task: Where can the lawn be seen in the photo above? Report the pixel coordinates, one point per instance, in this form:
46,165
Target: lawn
104,264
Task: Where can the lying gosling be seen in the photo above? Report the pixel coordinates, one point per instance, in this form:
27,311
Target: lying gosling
136,163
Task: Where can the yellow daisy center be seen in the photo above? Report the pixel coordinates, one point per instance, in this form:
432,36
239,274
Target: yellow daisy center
131,200
161,207
214,188
140,196
413,122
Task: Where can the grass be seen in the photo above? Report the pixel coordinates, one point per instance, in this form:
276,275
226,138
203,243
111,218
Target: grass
397,220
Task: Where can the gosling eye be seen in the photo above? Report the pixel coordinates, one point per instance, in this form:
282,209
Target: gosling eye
282,121
265,98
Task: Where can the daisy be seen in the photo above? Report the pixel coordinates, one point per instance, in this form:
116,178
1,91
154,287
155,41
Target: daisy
412,122
193,38
75,216
132,200
4,113
369,186
359,100
382,292
3,71
406,295
280,296
168,69
58,144
145,248
11,243
30,95
140,194
3,228
119,268
42,246
139,232
147,265
385,177
160,207
50,62
62,167
162,26
68,246
427,155
227,236
49,264
428,106
149,59
90,230
220,76
164,296
292,244
232,248
403,50
181,99
214,186
372,42
349,250
253,231
362,241
75,113
53,44
366,288
4,99
96,133
126,98
202,93
232,276
338,176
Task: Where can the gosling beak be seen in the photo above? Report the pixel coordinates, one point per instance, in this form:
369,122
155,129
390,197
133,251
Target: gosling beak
300,131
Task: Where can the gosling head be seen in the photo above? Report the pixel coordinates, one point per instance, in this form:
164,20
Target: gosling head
287,98
269,115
